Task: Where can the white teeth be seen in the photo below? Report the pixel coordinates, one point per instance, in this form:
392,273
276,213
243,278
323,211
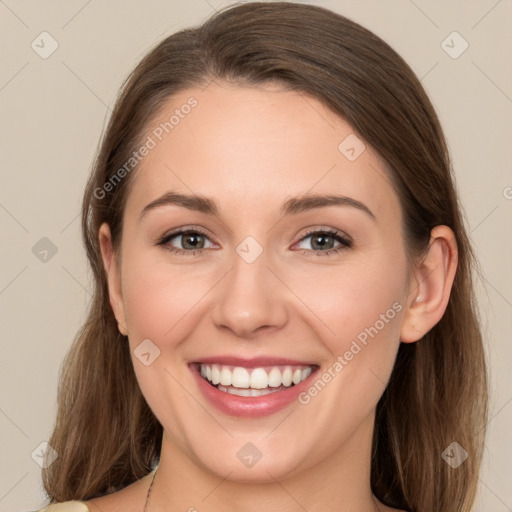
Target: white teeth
225,377
215,374
256,381
259,379
247,392
274,378
240,378
239,392
287,377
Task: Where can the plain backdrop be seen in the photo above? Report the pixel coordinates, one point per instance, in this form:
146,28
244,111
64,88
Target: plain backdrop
53,110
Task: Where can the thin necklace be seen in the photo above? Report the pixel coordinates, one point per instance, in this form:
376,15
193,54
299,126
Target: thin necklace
149,491
377,508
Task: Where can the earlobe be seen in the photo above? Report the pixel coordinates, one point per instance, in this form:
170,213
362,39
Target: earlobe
431,286
112,270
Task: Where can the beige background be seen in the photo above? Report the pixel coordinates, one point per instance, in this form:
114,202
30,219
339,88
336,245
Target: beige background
54,109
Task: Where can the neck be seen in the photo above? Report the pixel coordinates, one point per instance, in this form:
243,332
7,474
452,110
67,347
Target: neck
341,478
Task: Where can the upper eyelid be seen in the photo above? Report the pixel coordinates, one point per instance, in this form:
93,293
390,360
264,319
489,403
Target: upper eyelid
182,230
332,231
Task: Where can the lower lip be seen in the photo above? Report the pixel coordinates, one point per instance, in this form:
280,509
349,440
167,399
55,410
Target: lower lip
249,406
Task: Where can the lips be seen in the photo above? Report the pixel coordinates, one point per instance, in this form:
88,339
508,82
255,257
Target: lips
251,387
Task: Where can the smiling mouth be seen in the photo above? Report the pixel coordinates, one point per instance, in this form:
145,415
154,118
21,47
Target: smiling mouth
253,382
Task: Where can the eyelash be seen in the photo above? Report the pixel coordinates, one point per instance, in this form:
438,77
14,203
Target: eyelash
182,231
345,242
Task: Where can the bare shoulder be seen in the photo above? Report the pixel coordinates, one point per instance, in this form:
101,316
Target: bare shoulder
129,499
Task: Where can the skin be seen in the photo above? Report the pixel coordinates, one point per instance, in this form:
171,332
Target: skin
250,149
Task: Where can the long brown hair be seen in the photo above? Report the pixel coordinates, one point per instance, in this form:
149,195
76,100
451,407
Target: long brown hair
106,435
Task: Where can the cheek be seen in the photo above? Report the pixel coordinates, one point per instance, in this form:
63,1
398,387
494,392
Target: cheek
161,305
360,311
360,306
158,297
352,298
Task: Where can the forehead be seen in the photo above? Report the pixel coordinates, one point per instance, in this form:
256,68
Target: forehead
257,145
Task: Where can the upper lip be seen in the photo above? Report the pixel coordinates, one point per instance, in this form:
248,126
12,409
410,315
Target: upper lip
254,362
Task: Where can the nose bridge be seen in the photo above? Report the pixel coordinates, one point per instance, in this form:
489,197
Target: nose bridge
250,296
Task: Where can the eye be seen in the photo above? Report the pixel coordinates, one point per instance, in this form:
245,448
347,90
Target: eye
323,242
190,240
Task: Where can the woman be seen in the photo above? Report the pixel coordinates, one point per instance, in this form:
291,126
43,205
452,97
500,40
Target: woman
224,365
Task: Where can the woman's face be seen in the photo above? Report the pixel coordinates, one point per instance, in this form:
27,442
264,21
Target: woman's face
294,262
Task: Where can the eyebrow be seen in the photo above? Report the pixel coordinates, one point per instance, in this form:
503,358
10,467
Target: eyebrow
292,206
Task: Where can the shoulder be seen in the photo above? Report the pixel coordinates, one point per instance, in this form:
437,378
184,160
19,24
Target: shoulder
129,499
67,506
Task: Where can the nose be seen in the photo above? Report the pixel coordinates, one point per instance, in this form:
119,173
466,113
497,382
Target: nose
251,299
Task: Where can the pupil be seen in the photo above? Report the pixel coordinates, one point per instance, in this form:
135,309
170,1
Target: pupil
319,241
192,245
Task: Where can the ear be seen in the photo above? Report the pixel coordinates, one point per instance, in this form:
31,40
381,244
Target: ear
431,286
112,270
